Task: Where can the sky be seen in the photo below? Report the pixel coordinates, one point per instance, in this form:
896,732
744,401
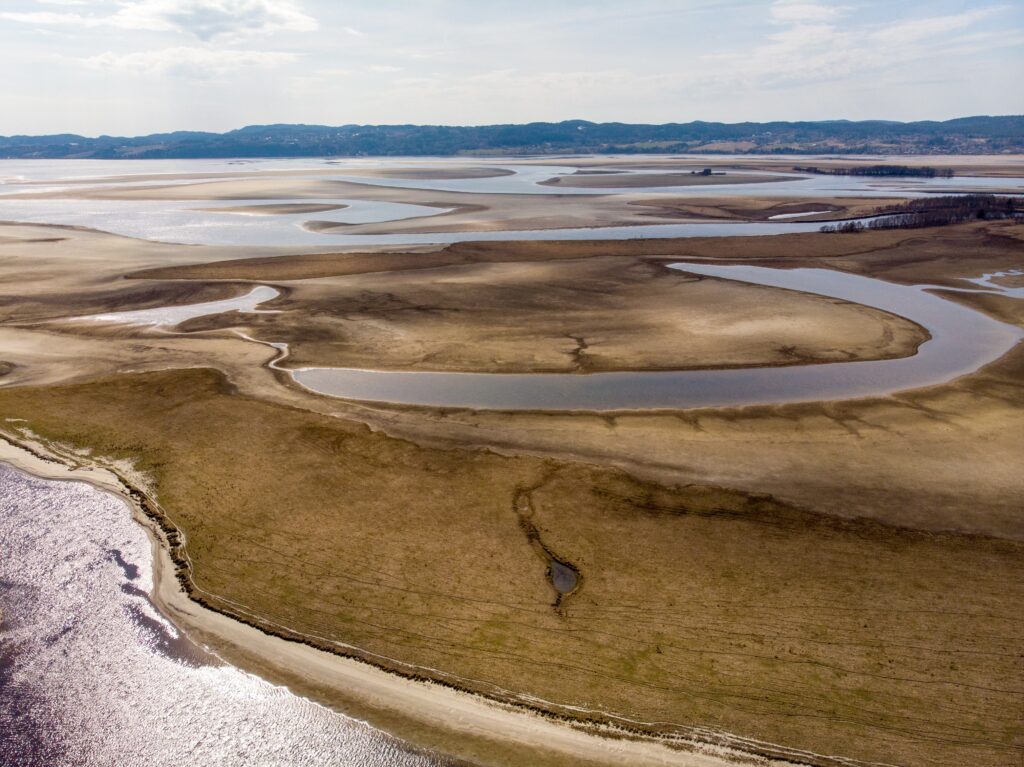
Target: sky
131,67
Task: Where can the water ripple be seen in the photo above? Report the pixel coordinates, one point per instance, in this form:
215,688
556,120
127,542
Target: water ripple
92,674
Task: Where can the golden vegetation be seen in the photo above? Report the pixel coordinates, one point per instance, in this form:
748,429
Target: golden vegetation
698,605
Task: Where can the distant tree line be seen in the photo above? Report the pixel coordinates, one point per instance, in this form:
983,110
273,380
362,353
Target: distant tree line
969,135
937,211
878,170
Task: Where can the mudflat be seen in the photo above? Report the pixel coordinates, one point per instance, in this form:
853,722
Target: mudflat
272,209
764,209
830,578
693,178
577,315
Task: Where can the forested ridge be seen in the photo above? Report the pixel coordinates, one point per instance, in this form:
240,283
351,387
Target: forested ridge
968,135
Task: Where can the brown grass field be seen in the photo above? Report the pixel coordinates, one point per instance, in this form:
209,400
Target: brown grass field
698,605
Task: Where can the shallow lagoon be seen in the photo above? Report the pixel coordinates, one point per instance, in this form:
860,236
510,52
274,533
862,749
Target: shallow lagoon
180,221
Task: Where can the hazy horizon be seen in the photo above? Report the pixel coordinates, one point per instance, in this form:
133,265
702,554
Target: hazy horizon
133,67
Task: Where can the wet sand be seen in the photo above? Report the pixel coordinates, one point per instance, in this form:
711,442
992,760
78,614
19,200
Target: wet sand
670,525
277,209
999,165
579,316
753,208
439,173
618,181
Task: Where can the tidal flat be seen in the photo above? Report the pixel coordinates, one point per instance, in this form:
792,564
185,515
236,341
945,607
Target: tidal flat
816,583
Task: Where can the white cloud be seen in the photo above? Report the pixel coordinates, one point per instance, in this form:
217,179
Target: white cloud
194,63
209,19
333,72
48,18
919,29
206,19
806,47
799,11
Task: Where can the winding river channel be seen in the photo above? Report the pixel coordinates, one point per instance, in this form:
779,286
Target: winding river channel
962,340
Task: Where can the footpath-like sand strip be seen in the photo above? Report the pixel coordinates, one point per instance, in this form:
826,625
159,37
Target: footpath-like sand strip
648,180
423,704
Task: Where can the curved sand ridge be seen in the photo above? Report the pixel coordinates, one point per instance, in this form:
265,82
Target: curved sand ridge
962,340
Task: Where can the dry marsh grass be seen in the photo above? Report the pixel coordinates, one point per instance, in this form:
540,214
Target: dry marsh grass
698,606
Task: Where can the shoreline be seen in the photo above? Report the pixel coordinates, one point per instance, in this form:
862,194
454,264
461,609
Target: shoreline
426,713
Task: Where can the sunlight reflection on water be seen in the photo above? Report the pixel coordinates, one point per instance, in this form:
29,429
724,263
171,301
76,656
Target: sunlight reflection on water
92,674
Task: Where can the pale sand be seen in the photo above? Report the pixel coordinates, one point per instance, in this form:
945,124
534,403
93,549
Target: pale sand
469,211
634,180
436,173
533,738
278,209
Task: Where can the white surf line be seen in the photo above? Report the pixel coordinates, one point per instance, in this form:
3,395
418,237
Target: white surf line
67,467
164,316
715,752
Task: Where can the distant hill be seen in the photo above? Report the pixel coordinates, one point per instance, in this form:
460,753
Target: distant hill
967,135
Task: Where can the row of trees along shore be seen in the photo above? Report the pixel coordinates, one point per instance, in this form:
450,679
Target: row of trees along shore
878,170
937,211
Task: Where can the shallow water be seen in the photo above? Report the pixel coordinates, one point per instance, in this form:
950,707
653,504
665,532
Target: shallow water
182,221
563,577
989,282
91,673
173,315
179,221
526,179
962,341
